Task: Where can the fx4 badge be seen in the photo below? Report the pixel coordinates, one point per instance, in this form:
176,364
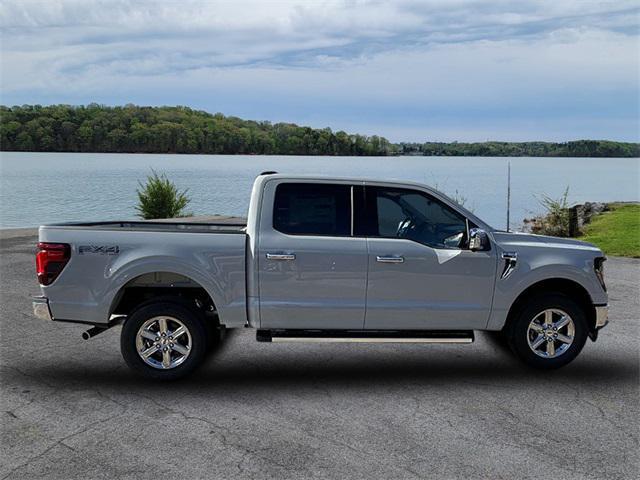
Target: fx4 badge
99,249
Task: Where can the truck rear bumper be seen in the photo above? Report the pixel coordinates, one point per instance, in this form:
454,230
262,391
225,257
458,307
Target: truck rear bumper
602,315
41,308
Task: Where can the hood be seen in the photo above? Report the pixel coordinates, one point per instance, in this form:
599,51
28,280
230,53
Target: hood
513,240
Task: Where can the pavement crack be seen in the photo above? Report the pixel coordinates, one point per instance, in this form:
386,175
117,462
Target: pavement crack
61,442
34,377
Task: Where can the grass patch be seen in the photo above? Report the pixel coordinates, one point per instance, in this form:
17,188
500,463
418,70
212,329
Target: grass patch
616,232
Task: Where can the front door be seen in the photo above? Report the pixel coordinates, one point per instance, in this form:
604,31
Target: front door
421,275
312,270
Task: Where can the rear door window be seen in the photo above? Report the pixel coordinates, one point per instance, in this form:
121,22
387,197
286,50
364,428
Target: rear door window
312,209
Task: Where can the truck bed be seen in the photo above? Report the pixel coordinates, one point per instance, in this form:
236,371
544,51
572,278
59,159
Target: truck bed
109,256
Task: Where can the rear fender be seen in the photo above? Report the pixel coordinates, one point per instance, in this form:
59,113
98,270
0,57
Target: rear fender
226,293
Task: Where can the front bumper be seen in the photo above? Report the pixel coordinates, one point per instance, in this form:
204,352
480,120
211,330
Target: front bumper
602,315
41,308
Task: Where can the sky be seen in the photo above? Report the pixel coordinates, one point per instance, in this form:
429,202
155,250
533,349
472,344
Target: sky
409,70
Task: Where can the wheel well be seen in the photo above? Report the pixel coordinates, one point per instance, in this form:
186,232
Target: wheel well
162,285
557,285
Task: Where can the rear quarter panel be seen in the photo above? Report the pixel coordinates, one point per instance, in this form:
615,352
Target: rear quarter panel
89,284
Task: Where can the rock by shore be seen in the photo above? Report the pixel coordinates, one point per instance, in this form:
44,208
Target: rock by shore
577,217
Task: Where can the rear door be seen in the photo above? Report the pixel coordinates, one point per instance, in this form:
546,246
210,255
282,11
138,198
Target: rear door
421,273
311,268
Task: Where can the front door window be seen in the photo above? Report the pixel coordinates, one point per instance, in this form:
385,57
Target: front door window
413,215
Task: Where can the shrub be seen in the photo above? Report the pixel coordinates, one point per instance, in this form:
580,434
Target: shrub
160,198
556,220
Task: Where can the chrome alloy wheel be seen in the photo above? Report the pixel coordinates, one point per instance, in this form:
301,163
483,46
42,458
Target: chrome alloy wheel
163,342
551,333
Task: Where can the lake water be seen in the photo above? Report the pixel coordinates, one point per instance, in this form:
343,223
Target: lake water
37,188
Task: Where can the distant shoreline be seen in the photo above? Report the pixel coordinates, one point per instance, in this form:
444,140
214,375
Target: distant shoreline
169,130
310,155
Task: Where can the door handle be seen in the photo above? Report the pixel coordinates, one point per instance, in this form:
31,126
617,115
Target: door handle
281,256
389,259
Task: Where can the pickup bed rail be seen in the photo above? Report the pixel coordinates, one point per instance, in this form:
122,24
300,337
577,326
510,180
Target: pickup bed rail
159,226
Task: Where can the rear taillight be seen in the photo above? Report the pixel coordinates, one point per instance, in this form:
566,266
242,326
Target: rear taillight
51,258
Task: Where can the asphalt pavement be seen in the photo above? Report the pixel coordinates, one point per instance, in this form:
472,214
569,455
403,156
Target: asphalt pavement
72,410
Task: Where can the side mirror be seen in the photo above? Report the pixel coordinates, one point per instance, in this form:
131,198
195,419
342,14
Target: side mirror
478,240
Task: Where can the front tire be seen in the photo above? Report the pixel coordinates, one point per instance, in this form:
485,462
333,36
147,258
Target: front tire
163,340
548,332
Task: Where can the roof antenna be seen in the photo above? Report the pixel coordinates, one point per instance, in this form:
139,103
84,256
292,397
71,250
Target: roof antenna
508,192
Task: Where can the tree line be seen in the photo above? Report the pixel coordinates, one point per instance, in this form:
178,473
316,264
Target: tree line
135,129
577,148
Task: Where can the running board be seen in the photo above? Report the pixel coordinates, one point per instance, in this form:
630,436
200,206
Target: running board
365,336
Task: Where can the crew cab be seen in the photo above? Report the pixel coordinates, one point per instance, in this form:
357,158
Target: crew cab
322,259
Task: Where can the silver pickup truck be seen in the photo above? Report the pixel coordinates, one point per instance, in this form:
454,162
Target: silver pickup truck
322,260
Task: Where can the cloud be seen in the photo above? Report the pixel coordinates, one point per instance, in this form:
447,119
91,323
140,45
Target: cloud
455,67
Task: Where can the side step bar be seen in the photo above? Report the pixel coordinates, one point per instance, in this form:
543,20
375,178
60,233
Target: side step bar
365,336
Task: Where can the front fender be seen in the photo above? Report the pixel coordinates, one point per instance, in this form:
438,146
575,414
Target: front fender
541,268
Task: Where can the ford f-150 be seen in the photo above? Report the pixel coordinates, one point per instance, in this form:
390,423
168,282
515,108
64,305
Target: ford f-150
322,260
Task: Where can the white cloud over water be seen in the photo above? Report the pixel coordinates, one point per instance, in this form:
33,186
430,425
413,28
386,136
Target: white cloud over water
410,70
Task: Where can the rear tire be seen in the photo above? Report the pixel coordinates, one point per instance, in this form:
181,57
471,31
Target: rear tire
164,340
548,332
